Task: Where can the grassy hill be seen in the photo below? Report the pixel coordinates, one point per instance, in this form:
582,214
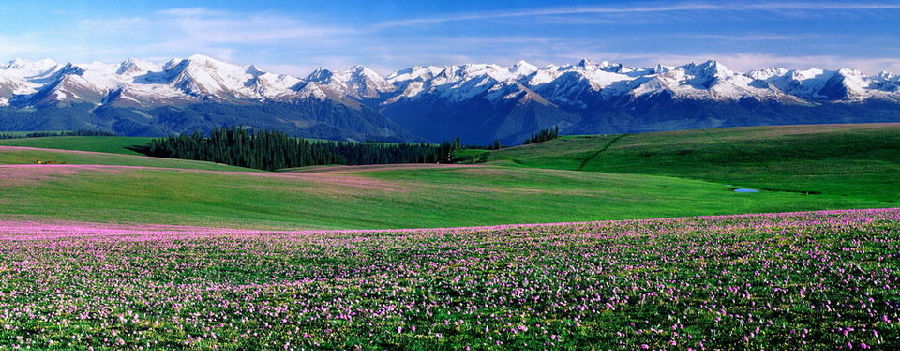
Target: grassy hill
403,198
114,145
673,174
860,161
19,155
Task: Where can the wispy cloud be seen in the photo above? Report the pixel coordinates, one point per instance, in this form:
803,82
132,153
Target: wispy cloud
17,46
189,12
742,37
297,42
178,32
202,26
582,10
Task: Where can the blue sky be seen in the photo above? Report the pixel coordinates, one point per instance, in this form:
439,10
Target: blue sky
296,36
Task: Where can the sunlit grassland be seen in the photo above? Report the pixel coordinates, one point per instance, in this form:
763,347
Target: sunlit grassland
375,199
671,174
793,281
108,144
861,161
14,156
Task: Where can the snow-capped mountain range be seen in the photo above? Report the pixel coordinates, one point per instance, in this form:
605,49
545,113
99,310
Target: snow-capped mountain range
571,96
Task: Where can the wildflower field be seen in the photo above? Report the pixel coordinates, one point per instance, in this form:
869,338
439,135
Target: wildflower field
801,281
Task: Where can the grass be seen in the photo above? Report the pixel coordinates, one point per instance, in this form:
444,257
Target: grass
376,199
13,155
108,144
804,281
793,281
858,161
471,155
674,174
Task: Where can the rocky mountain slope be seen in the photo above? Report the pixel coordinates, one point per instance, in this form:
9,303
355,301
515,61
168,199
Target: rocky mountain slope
477,102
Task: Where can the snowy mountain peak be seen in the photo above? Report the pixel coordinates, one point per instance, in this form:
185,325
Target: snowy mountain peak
849,72
69,69
320,75
359,69
479,101
22,63
888,76
360,72
15,63
710,68
25,69
585,63
356,82
522,68
766,73
808,74
200,78
200,58
198,62
415,73
254,71
365,83
133,66
172,63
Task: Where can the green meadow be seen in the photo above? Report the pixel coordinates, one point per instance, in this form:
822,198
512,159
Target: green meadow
856,161
75,154
575,178
114,145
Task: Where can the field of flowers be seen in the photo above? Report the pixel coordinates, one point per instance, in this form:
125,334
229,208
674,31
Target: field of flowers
799,281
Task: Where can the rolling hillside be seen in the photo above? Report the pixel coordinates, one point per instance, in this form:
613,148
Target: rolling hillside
113,145
26,155
861,161
675,174
389,198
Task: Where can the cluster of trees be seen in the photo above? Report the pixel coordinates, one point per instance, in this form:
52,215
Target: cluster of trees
60,133
544,135
271,150
378,153
495,145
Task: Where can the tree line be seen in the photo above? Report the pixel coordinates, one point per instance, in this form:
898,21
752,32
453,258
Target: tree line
272,150
53,134
544,135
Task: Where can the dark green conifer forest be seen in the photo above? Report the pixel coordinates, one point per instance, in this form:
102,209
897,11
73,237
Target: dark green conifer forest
544,135
272,150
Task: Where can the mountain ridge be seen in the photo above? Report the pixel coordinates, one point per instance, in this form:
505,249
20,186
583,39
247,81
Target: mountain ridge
479,102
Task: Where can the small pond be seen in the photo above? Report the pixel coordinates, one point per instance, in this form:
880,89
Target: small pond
745,190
